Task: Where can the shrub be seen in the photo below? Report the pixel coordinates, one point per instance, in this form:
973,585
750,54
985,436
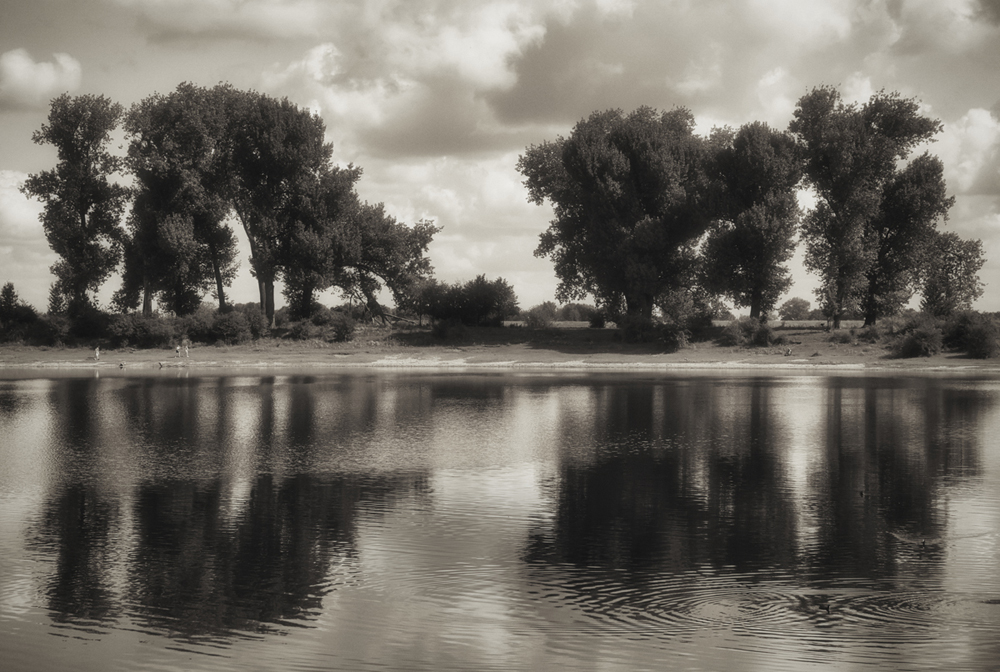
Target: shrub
341,326
450,330
141,332
49,330
922,338
975,333
598,320
256,322
748,331
304,330
541,316
673,335
231,328
198,326
842,336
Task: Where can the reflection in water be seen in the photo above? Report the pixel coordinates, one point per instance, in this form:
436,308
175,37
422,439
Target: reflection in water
391,521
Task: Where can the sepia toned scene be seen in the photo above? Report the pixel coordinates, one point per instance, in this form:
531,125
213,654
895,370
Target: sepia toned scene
506,335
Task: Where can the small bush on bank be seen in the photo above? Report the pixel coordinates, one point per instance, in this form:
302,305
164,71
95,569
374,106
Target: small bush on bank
231,328
450,330
921,337
842,336
975,333
598,320
748,331
141,332
541,316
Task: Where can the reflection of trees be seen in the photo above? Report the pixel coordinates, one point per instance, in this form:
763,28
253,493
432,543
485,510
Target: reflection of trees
691,475
77,529
199,572
696,472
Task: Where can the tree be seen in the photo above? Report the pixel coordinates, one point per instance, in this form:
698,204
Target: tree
794,309
758,171
628,194
83,207
179,244
278,152
913,200
851,156
951,274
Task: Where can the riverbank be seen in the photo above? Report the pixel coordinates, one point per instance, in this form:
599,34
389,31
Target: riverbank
509,348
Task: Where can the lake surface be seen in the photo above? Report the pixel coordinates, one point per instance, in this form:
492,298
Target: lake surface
501,521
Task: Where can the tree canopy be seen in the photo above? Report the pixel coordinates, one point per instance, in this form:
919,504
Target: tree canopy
852,153
629,194
757,172
83,206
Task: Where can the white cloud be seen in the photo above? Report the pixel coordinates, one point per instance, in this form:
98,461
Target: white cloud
970,150
236,18
25,84
25,256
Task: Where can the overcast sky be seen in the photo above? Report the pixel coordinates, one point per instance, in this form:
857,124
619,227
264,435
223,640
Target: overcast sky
435,99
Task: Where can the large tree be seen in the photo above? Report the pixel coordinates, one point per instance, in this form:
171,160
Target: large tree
628,193
83,206
179,245
913,200
757,173
852,153
951,274
278,153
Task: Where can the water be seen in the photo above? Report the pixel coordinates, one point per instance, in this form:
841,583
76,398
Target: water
424,521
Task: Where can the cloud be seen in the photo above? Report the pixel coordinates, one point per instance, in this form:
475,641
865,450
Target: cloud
25,256
246,19
970,150
27,85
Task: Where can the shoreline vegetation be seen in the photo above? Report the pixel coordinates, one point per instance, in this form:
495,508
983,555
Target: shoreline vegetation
563,346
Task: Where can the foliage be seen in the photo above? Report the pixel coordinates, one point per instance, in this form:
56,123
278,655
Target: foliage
951,279
629,194
975,333
140,331
231,328
794,309
541,316
852,236
82,205
922,337
575,312
178,245
690,310
758,171
479,302
748,331
16,317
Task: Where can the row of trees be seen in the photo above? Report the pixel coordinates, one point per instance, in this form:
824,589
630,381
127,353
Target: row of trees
644,208
201,158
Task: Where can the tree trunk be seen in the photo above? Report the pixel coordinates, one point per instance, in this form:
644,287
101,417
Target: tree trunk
220,290
147,296
269,302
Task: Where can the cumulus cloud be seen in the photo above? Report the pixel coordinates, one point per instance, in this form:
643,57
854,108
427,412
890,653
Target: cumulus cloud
25,84
970,150
255,19
25,256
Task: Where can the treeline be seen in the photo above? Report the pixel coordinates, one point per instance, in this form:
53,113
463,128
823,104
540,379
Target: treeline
647,211
201,159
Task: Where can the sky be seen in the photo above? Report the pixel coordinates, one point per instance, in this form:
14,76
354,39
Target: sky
436,99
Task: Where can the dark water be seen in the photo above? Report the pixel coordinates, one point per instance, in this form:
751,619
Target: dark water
392,521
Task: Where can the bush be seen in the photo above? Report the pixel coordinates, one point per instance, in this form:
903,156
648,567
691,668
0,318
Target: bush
450,330
49,330
598,320
922,338
141,332
198,326
748,331
842,336
541,316
304,330
977,334
231,328
341,326
256,322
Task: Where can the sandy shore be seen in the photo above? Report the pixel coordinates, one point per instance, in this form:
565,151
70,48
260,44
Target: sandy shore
805,351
